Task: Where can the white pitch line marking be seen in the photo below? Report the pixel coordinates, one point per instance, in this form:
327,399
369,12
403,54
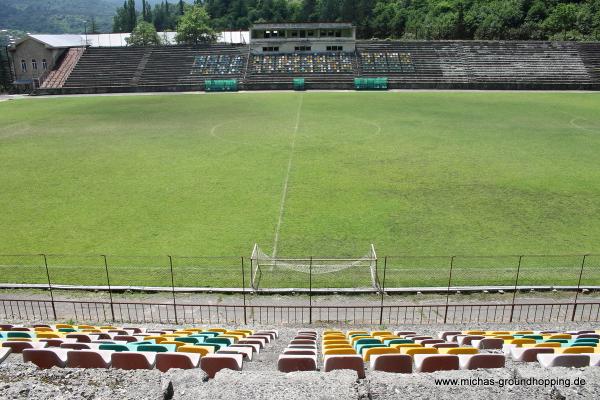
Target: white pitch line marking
287,178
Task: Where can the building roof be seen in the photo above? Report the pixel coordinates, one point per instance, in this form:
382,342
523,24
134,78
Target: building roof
59,41
309,25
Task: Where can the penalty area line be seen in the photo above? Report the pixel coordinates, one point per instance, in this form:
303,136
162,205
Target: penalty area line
284,191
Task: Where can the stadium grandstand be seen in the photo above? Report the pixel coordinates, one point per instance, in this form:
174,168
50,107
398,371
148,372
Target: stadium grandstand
319,55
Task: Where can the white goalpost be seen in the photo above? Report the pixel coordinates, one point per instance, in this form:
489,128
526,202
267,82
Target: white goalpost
264,263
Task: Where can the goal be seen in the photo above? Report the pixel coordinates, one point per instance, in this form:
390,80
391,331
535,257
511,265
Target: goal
263,263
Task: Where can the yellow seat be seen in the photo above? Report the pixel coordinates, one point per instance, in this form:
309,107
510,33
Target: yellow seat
43,329
48,335
335,341
378,350
474,332
350,333
82,327
169,336
495,333
185,332
176,343
237,333
91,330
195,349
157,339
337,346
560,336
543,344
20,339
339,351
381,333
220,330
520,342
405,345
63,326
575,350
459,350
332,331
388,337
195,330
503,337
107,327
418,350
522,333
246,331
235,338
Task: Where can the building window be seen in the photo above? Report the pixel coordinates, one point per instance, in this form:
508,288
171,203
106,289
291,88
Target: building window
44,64
335,48
270,49
23,66
338,33
310,33
302,48
34,64
294,33
302,34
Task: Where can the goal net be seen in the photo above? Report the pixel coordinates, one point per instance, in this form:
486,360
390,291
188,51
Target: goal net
263,263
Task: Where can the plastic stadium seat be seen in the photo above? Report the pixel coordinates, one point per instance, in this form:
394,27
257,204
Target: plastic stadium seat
16,334
202,350
444,334
89,358
48,335
476,361
429,342
436,362
302,341
411,351
444,345
339,351
213,363
299,352
543,344
169,360
459,350
126,338
244,351
81,337
254,341
114,347
520,342
574,350
466,340
4,352
46,358
378,350
18,347
291,363
133,360
397,363
564,360
529,354
351,362
488,343
397,341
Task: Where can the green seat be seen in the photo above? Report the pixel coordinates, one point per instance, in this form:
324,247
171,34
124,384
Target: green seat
557,341
389,342
135,344
218,340
114,347
187,339
19,335
360,348
366,341
536,337
67,330
205,334
157,348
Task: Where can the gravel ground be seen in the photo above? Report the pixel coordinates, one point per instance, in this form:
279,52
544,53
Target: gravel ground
261,380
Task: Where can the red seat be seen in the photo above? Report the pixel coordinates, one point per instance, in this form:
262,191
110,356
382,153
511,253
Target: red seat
436,362
169,360
397,363
46,358
291,363
351,362
476,361
89,358
133,360
213,363
19,347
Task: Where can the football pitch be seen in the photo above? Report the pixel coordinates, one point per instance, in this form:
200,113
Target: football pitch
314,173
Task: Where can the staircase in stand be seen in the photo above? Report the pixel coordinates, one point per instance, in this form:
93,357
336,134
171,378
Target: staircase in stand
57,77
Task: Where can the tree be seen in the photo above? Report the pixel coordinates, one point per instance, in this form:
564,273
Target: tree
125,18
194,27
144,34
5,76
93,26
181,7
562,19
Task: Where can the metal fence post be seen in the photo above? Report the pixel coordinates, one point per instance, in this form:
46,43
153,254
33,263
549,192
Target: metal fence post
112,307
173,288
382,290
578,287
244,290
310,291
512,307
448,290
49,286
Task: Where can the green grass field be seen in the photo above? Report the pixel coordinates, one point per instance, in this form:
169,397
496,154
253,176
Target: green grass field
417,173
